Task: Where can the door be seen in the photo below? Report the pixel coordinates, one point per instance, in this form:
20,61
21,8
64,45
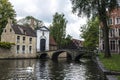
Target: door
42,44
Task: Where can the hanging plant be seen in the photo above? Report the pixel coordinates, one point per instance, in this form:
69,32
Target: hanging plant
6,45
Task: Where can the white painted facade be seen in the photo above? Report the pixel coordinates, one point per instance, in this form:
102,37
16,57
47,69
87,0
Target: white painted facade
42,33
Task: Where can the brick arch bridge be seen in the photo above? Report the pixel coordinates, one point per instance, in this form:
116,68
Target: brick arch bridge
72,54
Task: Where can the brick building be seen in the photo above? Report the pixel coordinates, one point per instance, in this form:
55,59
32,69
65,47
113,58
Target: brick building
114,32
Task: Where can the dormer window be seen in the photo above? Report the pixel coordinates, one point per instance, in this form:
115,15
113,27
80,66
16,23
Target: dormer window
5,30
10,30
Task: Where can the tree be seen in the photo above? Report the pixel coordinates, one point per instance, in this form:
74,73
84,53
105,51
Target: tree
100,8
90,33
27,21
67,42
58,28
6,11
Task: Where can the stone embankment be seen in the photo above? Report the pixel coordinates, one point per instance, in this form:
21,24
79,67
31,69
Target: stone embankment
109,75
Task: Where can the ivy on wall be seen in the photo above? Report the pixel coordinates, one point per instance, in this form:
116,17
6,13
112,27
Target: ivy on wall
6,45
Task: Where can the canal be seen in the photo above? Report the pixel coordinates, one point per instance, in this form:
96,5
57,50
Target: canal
35,69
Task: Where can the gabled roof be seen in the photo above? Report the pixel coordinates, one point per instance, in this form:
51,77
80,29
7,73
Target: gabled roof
23,30
52,41
43,28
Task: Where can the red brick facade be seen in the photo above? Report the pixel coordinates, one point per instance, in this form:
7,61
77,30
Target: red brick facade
114,32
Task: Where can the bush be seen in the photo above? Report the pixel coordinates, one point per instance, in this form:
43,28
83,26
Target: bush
6,45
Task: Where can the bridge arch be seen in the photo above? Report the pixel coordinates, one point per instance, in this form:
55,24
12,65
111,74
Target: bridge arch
43,56
57,53
78,56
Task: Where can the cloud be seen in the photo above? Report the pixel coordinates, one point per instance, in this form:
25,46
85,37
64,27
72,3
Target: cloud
45,9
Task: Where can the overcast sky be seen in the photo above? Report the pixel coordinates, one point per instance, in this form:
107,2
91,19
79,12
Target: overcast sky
45,9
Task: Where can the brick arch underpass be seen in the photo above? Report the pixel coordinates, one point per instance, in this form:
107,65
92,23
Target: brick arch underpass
43,56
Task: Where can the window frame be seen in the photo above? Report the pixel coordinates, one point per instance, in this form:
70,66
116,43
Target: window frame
117,20
30,40
110,21
18,49
23,49
24,39
18,39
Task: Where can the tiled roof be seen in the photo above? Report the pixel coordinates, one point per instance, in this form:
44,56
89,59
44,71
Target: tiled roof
52,41
24,30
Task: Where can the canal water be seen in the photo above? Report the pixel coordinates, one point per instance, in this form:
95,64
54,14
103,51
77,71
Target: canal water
35,69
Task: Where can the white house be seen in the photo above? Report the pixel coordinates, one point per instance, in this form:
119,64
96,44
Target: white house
42,39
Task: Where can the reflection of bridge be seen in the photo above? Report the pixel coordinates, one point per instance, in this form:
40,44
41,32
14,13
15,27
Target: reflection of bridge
72,54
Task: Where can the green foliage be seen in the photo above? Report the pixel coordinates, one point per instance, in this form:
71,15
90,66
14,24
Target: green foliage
90,33
67,41
93,7
6,45
58,28
6,11
98,8
118,77
112,63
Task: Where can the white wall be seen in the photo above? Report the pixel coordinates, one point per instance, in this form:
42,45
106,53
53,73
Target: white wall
40,36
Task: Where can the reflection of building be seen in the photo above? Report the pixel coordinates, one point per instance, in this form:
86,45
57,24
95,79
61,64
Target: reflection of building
24,38
114,32
42,39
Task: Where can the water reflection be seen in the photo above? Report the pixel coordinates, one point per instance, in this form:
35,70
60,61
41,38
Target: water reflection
48,70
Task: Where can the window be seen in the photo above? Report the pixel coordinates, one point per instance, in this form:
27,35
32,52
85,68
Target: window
112,32
23,39
117,20
30,40
5,30
30,49
23,49
112,45
110,21
10,30
18,39
18,48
